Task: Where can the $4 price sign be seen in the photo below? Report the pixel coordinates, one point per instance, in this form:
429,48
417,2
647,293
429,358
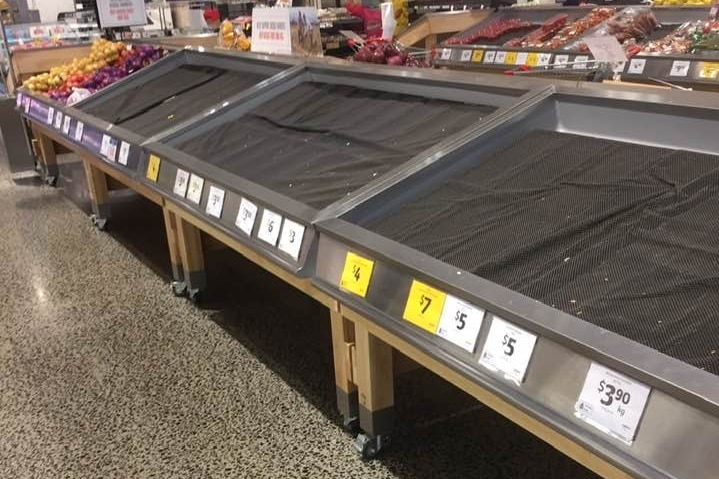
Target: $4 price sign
356,274
508,349
612,402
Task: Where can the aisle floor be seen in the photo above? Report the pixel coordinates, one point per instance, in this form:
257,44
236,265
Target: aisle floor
104,373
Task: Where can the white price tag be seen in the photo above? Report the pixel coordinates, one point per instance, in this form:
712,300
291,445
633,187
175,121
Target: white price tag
18,101
111,149
26,104
182,179
194,191
246,216
58,120
466,55
580,62
446,54
500,57
508,349
606,49
680,68
489,56
636,66
124,153
521,58
460,323
50,115
79,128
560,61
612,402
291,238
103,145
66,125
215,201
270,227
543,60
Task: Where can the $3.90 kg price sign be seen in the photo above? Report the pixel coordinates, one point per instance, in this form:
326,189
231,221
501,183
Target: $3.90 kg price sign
356,274
508,349
612,402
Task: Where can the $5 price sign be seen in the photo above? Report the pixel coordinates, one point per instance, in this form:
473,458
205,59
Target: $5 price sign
508,349
612,402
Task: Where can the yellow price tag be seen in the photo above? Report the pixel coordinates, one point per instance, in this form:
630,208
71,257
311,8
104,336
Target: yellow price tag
477,55
356,274
153,168
424,306
511,58
709,71
533,59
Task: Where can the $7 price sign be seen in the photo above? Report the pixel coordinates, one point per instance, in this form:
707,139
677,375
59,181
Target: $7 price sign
612,402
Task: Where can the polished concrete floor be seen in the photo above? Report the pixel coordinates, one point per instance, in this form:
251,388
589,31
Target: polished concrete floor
104,373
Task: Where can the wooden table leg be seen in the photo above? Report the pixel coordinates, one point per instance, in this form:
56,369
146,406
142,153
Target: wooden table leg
189,243
99,195
178,276
48,157
375,384
342,350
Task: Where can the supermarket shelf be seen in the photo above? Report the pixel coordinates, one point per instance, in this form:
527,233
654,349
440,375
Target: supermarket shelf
681,416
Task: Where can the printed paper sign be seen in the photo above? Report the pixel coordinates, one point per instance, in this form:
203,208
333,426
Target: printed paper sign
121,13
636,66
271,31
606,49
680,68
356,274
270,227
291,238
460,323
182,179
124,153
508,349
194,192
215,201
246,216
79,129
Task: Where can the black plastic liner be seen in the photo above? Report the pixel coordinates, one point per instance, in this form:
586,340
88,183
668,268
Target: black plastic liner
171,98
316,143
621,235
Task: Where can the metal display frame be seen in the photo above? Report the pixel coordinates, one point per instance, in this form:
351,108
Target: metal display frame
479,89
684,70
680,423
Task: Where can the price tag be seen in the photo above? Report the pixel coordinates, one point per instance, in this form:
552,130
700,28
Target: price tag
612,402
466,55
544,59
58,120
510,58
182,179
522,58
18,101
460,323
104,144
680,68
291,238
26,104
709,71
153,168
124,153
215,201
580,62
356,274
490,56
533,59
477,55
500,57
66,125
246,216
79,128
606,49
194,190
560,61
111,149
50,115
270,227
424,306
446,54
636,66
508,349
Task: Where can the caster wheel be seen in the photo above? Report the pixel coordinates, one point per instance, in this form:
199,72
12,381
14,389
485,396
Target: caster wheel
368,447
350,425
179,288
100,223
51,181
195,295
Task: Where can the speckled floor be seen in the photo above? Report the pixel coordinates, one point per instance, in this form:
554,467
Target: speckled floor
104,373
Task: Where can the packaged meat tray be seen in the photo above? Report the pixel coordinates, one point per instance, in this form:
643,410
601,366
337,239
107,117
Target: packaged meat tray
493,32
631,25
577,28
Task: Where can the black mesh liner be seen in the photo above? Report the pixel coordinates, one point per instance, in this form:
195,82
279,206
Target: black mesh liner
621,235
162,102
318,142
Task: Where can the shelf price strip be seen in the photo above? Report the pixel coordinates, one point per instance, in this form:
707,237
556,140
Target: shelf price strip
477,56
246,216
291,238
153,168
466,56
356,274
680,68
510,58
612,402
522,59
508,349
636,66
